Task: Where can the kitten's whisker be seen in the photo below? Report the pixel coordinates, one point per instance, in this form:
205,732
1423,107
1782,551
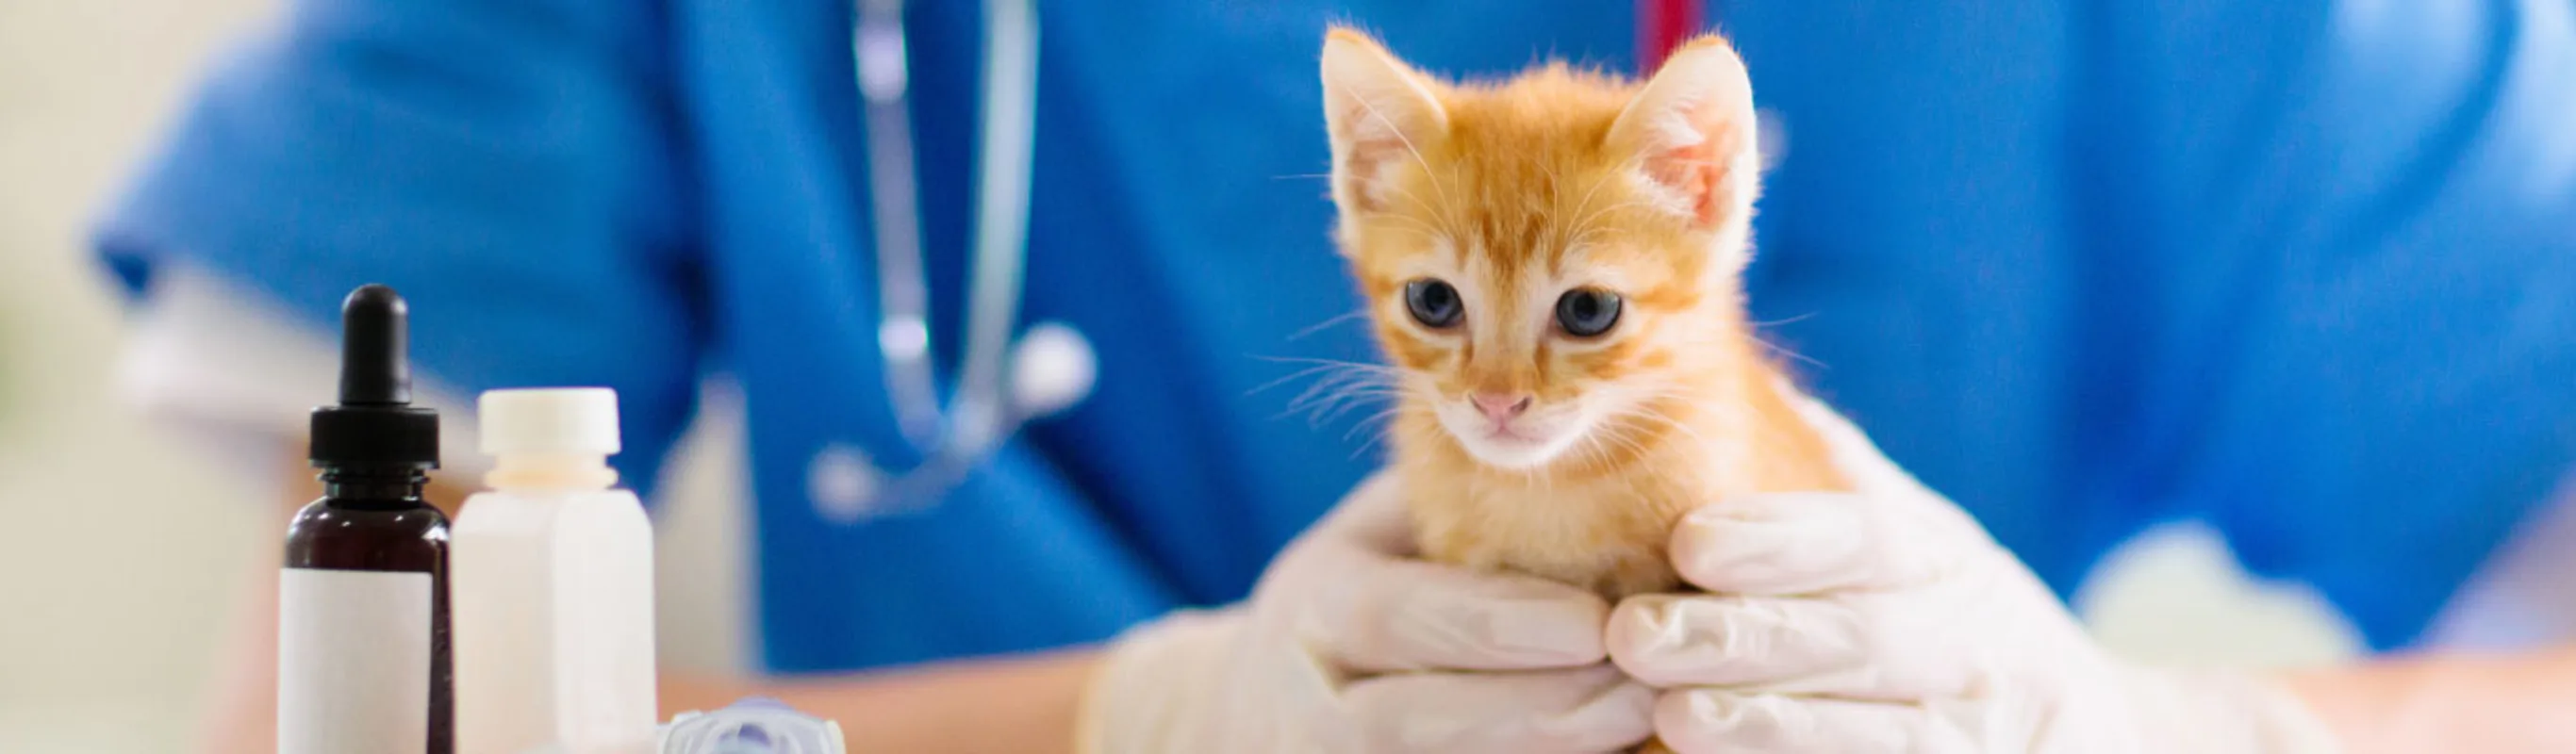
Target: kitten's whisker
1583,220
1291,376
1590,450
1338,387
1629,204
1650,412
1372,421
1322,402
1589,194
1337,381
1329,362
1383,430
1310,330
1594,451
1631,473
1349,402
1427,208
1785,351
1626,437
1625,441
1409,222
1418,228
1586,227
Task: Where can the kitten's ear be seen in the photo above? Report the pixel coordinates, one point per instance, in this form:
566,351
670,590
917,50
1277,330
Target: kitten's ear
1691,130
1378,111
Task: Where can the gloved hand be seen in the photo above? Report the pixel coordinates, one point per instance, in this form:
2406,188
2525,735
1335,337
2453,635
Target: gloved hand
1886,620
1348,646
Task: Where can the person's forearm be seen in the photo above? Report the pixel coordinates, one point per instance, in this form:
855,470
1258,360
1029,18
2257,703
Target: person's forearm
1011,705
2483,703
240,716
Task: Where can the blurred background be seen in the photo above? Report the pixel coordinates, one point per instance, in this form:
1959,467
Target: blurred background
120,547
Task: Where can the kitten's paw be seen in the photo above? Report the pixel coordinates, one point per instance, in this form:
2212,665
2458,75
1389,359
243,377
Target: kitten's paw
1645,573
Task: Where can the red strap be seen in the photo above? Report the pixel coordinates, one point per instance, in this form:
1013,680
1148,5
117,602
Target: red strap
1663,25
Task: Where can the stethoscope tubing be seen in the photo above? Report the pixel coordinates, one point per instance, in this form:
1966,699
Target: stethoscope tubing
951,439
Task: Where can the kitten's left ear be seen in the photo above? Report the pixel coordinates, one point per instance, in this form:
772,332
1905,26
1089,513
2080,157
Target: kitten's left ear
1691,130
1378,111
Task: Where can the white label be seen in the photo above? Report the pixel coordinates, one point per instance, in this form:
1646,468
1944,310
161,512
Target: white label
352,662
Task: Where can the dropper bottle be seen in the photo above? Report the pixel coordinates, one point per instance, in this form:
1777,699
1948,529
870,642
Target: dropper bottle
362,613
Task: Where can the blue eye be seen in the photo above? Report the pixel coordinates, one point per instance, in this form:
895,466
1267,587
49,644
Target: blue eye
1587,312
1433,303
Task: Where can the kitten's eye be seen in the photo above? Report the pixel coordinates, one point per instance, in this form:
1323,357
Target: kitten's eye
1586,312
1433,303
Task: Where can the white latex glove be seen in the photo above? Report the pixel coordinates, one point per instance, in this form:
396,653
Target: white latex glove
1349,646
1888,621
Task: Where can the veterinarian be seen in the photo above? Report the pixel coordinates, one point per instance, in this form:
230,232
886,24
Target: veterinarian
2306,272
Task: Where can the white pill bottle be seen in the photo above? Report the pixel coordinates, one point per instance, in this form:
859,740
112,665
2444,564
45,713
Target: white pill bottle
552,585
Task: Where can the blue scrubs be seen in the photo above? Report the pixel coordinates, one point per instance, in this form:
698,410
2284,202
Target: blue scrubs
2308,274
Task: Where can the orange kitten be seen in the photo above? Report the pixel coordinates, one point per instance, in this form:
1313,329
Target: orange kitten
1552,266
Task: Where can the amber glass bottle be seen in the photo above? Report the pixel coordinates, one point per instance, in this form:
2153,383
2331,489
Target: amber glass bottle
362,612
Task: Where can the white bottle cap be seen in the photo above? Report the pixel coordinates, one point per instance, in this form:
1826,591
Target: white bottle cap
549,420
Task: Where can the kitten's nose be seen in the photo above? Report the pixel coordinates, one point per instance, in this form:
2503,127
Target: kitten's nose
1500,407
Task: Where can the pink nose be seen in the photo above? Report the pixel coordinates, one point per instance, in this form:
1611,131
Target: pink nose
1500,407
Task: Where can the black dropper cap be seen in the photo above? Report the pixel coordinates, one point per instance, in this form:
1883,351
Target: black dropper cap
375,426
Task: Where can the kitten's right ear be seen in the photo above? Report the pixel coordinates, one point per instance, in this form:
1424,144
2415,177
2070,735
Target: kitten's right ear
1379,111
1691,129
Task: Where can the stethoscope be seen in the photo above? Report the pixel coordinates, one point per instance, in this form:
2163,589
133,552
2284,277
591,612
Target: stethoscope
1004,382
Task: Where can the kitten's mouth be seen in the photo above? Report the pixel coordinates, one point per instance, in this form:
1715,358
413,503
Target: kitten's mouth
1522,442
1512,447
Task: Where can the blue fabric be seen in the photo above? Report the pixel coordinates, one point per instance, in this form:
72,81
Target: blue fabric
2303,273
2302,270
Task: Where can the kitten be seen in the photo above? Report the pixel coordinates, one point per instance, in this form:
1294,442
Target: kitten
1552,265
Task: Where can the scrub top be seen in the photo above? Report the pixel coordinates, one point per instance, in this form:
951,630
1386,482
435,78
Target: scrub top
2306,272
